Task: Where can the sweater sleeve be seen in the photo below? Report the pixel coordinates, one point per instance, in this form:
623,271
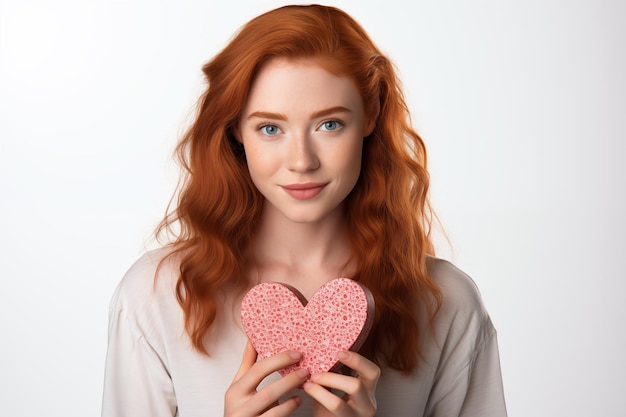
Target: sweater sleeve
468,380
476,389
484,395
137,382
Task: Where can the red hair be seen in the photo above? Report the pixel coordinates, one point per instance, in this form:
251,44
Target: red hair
388,213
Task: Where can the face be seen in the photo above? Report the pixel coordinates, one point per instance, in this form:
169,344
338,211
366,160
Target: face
302,130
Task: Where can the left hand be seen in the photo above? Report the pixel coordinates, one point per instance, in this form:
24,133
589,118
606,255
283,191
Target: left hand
360,391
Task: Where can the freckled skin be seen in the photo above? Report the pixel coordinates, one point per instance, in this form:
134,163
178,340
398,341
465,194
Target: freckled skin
290,140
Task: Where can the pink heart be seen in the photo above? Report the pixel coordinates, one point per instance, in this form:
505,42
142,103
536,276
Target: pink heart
276,317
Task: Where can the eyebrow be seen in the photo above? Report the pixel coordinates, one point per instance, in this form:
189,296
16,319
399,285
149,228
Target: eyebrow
316,115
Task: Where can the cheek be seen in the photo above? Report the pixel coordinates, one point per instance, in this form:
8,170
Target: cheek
259,164
352,161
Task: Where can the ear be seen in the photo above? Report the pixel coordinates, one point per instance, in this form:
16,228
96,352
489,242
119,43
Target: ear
234,130
372,118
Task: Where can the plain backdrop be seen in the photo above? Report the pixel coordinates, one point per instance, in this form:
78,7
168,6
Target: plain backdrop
522,105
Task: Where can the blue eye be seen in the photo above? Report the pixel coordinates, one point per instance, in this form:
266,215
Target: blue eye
331,125
269,130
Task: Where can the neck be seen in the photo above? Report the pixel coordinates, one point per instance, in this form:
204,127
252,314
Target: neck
304,255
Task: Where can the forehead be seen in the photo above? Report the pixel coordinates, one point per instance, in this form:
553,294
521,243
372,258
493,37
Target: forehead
285,82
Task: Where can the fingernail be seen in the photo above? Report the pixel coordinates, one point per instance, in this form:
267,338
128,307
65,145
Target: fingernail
298,401
295,355
315,377
343,355
302,372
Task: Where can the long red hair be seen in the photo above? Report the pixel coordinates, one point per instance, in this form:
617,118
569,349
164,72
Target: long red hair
388,213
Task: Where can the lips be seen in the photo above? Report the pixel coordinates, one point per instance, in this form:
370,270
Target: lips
304,191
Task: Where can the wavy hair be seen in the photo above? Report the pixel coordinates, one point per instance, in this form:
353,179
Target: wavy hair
388,214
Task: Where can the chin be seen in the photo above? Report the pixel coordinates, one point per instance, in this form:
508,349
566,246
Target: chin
309,212
305,214
303,218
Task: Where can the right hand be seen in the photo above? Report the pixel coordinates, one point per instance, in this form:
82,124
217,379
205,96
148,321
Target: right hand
242,398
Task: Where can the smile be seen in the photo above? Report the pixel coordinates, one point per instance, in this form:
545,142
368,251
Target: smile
304,191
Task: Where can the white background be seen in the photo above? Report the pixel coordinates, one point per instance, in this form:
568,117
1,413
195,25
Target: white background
522,106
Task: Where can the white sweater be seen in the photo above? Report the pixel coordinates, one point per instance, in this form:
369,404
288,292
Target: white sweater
152,369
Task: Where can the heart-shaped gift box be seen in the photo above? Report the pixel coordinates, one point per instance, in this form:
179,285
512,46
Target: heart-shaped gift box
277,317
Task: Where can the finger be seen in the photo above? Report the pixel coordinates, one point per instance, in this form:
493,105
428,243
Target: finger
320,411
269,395
348,384
360,391
367,370
357,402
367,374
249,359
261,369
284,409
325,399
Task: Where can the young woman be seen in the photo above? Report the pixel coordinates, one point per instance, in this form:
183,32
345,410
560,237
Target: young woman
300,167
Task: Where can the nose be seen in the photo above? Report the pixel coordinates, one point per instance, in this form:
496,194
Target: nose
302,156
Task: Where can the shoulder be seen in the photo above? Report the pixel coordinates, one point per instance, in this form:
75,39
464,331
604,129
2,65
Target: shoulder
148,287
457,288
145,274
463,314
